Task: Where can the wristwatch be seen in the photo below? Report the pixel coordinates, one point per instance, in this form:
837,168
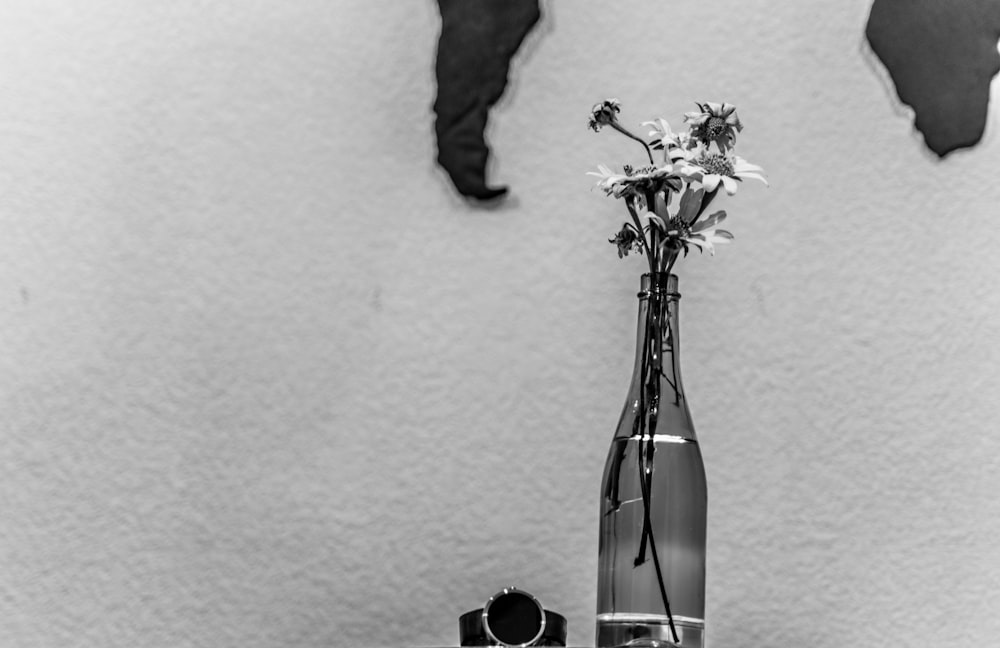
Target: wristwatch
512,618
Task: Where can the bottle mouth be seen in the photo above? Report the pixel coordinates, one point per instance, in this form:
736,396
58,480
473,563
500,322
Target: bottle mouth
660,284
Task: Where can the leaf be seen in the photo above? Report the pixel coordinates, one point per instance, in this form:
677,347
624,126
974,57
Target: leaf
660,202
708,200
690,205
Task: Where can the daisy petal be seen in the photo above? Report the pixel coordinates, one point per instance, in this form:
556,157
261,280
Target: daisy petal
703,244
743,165
656,220
709,222
755,176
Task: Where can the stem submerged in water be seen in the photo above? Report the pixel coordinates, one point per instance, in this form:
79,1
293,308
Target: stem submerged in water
649,407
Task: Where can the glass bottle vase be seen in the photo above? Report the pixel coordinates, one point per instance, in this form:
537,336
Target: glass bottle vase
653,513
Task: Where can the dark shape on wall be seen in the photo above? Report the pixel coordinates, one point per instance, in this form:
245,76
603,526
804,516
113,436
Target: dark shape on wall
478,40
941,56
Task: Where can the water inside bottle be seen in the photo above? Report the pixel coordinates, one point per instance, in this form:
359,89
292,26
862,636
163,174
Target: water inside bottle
632,606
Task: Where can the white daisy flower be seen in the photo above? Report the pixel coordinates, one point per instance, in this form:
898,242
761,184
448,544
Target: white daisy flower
715,122
713,169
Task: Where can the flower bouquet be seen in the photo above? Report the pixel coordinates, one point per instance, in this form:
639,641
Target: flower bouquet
689,167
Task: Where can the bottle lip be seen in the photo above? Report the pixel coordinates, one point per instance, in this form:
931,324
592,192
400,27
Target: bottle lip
661,284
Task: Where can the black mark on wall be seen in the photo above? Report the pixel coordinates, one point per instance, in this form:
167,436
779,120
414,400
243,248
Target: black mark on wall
478,40
941,56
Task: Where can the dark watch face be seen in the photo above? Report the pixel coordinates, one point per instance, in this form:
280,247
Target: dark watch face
514,618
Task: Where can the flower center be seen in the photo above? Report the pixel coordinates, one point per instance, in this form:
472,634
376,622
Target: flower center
717,164
678,225
630,171
715,128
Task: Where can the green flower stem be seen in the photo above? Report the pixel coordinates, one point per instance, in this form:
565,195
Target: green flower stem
670,265
653,229
649,406
621,129
652,245
642,237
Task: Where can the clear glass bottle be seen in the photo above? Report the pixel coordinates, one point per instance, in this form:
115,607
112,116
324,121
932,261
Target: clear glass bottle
651,557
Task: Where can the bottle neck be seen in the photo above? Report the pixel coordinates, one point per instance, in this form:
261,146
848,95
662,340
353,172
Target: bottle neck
657,389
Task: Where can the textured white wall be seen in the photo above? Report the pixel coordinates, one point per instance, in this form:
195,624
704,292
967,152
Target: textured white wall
266,381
